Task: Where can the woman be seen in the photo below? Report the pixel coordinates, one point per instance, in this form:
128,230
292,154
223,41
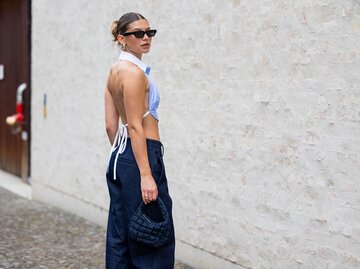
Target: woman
136,171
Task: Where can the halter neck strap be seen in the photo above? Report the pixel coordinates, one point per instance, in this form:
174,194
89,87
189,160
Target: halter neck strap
135,60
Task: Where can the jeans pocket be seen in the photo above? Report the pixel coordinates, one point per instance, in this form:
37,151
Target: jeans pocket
156,167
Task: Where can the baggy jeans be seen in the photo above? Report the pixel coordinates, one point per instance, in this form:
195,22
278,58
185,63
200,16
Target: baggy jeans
125,197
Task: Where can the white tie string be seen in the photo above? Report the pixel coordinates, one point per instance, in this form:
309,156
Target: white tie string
124,136
120,140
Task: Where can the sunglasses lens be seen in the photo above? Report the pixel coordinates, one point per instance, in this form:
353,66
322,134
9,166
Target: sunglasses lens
139,34
150,33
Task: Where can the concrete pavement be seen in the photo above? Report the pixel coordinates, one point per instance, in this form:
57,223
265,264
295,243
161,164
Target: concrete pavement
35,235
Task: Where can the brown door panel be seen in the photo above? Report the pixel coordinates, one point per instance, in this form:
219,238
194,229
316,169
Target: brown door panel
15,57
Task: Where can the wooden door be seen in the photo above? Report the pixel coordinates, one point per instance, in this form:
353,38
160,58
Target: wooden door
15,62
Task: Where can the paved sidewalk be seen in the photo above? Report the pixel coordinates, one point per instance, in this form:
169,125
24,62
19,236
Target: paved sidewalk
38,236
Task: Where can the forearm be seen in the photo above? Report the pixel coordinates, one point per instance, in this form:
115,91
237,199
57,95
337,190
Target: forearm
138,142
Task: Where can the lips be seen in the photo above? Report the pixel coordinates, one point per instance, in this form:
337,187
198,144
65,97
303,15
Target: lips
145,45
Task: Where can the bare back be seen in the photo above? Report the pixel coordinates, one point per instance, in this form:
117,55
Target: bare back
122,72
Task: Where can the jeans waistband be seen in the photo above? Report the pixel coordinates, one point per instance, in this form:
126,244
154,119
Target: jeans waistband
153,145
122,144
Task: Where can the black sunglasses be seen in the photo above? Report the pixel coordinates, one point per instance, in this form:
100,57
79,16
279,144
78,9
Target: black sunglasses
140,34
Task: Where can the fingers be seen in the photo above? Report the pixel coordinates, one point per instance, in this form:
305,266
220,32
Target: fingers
149,196
149,189
146,198
154,195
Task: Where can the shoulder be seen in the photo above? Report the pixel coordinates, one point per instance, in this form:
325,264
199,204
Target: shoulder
127,70
126,75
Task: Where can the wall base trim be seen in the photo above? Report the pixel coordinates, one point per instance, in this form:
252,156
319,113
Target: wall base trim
14,184
69,203
198,258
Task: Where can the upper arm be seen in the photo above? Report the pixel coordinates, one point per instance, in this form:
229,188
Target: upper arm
134,94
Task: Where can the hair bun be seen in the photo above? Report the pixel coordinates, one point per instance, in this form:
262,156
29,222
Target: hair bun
114,29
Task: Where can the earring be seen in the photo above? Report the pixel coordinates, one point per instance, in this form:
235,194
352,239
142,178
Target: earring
123,46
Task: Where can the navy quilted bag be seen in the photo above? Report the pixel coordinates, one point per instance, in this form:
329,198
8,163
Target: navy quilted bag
145,230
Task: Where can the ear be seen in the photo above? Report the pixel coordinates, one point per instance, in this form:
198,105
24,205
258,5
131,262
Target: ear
121,39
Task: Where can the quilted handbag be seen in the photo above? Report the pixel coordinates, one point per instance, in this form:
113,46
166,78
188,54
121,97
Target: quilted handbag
145,230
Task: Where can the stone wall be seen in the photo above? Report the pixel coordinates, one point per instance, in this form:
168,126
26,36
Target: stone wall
259,117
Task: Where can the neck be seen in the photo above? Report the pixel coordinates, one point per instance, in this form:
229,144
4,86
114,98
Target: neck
136,54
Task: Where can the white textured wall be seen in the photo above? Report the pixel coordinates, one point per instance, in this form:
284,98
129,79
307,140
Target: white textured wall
259,115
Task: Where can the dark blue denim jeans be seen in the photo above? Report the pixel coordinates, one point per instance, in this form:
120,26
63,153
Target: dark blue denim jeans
125,197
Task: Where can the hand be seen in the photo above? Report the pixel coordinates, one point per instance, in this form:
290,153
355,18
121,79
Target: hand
149,189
